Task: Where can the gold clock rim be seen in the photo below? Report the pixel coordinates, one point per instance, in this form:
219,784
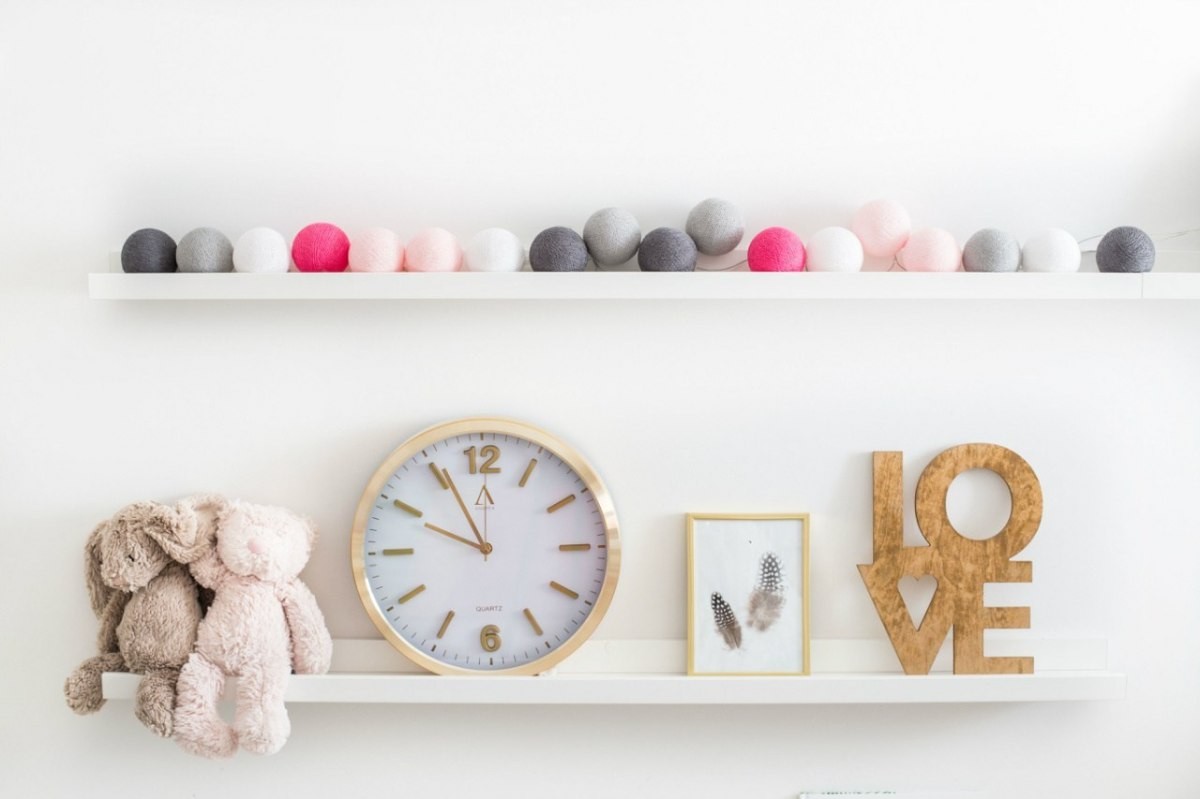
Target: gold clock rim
504,426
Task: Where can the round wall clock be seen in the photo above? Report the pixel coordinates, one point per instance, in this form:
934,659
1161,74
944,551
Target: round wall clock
485,545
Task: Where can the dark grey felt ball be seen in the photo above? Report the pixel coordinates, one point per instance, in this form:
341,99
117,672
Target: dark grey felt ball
716,226
204,249
612,236
558,249
991,250
666,249
148,250
1125,249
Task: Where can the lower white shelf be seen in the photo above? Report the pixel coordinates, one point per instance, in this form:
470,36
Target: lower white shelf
659,689
647,672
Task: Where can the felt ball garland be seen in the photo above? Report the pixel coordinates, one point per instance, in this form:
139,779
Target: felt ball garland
612,237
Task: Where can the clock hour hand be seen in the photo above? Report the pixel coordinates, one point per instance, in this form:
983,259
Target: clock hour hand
467,513
458,538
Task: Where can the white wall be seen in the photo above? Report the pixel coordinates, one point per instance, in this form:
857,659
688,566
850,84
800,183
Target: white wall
528,114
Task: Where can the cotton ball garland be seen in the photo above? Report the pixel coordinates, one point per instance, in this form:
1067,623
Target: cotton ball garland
1125,249
494,250
260,249
667,249
882,226
321,247
376,249
776,249
433,250
558,249
716,225
1051,250
834,249
204,249
612,236
930,249
991,250
148,250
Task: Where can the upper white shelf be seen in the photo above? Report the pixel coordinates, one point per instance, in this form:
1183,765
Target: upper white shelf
638,286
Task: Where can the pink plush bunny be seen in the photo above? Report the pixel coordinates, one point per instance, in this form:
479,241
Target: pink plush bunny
263,623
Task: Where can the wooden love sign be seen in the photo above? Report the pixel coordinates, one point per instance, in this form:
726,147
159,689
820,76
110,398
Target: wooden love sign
960,565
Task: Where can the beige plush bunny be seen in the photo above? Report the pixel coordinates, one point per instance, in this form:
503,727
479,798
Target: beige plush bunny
147,602
263,623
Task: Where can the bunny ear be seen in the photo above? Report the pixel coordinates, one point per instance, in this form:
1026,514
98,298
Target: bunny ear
189,530
98,592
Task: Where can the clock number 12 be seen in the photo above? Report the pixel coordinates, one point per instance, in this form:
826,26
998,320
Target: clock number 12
490,454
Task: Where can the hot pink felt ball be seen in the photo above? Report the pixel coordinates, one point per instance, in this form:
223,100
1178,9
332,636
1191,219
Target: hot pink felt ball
930,249
433,250
321,247
776,249
882,226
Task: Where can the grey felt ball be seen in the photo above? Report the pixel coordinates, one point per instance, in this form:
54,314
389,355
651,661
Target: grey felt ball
148,250
1125,249
716,225
666,249
558,249
991,250
204,249
612,236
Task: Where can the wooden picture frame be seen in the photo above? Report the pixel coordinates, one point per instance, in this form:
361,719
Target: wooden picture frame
748,598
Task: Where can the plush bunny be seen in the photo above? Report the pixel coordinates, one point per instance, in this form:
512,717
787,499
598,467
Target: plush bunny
263,623
148,606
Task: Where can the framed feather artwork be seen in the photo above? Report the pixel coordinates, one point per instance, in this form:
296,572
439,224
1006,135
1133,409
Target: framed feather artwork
748,594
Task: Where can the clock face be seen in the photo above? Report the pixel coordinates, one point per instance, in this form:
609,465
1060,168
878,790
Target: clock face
485,545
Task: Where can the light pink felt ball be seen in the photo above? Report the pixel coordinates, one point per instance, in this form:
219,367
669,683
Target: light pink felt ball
882,226
776,249
321,247
376,249
433,250
930,249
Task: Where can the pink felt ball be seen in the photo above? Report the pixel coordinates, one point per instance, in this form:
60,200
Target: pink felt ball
882,226
433,250
321,247
930,249
376,249
776,249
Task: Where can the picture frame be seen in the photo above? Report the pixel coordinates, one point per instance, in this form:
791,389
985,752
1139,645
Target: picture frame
748,597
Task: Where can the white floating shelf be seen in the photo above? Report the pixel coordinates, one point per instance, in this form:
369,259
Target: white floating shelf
646,673
660,689
738,285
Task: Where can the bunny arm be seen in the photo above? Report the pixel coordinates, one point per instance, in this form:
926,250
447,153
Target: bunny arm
208,570
110,617
312,648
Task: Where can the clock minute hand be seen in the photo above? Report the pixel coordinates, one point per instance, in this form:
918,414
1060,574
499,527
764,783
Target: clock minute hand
449,534
463,505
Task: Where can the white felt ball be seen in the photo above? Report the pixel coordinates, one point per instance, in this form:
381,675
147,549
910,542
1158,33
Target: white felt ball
882,226
376,249
261,249
494,250
1051,250
834,249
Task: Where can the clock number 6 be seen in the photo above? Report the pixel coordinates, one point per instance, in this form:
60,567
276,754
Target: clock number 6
490,454
489,638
